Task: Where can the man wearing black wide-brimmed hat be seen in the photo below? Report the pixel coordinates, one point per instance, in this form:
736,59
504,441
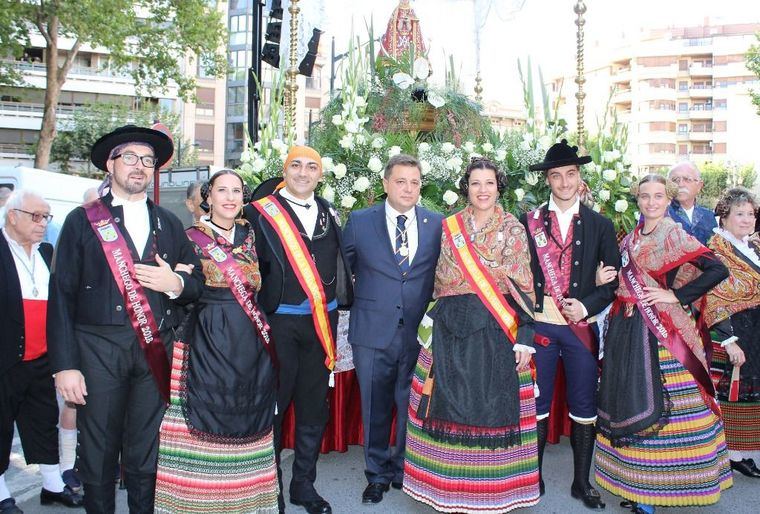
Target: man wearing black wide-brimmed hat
114,302
568,241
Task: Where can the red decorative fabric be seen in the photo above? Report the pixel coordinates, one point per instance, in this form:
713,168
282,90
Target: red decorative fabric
559,414
561,253
35,338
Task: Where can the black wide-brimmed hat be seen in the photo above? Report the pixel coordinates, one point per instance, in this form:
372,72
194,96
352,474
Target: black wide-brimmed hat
161,143
266,188
560,154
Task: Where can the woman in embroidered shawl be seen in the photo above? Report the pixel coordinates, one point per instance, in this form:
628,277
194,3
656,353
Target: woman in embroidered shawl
733,312
660,439
216,450
471,443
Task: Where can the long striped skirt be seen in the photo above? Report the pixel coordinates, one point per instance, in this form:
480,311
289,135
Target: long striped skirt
455,478
685,463
741,420
199,475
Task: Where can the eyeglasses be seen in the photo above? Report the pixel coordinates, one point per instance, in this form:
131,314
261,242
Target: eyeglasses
130,159
685,180
37,216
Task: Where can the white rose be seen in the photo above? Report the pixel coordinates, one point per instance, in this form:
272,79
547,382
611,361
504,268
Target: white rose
337,120
423,147
447,147
487,147
347,142
375,164
501,154
545,141
340,171
327,163
519,194
347,201
245,156
636,215
328,194
524,145
361,184
394,150
596,207
424,167
278,145
531,178
246,167
621,206
627,160
360,139
258,164
450,197
608,157
454,163
604,195
469,147
615,154
609,175
378,143
359,101
528,137
351,126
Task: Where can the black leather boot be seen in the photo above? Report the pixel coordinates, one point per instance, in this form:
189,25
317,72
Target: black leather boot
306,452
99,498
542,428
141,492
582,439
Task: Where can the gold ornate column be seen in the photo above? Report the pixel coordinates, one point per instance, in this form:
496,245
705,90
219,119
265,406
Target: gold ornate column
580,10
478,88
291,86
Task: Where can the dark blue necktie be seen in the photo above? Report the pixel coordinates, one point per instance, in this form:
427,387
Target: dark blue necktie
401,246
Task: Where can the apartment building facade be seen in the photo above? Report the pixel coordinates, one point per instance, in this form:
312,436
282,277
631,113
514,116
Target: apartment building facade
682,91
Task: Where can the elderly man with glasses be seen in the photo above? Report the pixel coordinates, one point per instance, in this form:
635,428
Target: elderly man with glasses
115,292
27,394
697,221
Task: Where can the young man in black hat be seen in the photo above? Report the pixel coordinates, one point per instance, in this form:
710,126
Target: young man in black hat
305,278
113,306
568,241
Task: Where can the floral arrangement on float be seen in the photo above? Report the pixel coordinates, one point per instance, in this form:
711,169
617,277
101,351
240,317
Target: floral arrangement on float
388,106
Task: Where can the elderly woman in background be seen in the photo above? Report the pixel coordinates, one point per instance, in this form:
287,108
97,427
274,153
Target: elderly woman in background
471,437
733,312
660,438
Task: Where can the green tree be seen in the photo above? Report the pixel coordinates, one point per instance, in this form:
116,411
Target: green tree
90,122
149,39
753,64
718,176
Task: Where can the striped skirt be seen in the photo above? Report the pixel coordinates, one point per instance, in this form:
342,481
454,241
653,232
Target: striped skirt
741,420
455,478
198,475
685,463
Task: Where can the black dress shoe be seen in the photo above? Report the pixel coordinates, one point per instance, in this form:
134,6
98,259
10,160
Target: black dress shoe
397,485
373,493
8,506
746,467
589,496
319,506
541,487
67,498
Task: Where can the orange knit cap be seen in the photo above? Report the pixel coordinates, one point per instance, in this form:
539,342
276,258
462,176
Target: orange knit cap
302,151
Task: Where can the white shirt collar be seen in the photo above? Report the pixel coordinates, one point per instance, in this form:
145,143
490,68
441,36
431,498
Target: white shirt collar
393,213
574,209
289,196
117,200
740,244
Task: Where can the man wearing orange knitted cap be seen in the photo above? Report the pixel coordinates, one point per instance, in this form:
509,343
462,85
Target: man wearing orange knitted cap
304,280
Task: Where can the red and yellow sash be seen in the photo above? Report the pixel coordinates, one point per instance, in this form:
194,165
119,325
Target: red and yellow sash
478,277
304,268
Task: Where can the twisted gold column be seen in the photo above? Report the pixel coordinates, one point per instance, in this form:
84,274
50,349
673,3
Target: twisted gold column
291,86
580,10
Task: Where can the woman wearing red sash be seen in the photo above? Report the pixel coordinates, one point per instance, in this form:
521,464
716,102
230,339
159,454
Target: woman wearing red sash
660,439
471,439
733,311
216,449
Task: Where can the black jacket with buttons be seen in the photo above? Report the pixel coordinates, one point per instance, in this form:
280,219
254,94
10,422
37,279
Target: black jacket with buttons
12,345
594,241
84,292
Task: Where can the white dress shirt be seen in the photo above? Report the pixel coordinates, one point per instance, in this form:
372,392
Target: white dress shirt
27,267
564,219
307,216
136,220
412,236
690,213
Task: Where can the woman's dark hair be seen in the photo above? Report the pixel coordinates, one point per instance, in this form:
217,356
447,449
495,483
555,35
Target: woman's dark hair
206,187
734,197
481,163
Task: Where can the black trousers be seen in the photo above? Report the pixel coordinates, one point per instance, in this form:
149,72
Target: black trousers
122,415
27,397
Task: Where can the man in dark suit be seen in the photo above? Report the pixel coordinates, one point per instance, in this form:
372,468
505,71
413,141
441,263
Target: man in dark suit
393,249
568,241
306,356
27,394
109,339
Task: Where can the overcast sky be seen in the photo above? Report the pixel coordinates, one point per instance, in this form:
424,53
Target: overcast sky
542,29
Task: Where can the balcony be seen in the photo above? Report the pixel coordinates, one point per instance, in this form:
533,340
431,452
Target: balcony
682,136
701,92
622,96
699,69
22,149
621,75
703,113
701,135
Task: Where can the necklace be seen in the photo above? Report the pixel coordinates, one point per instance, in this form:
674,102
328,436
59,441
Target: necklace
29,270
219,226
304,205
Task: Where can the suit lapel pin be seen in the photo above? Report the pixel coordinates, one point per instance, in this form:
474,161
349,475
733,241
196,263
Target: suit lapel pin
424,220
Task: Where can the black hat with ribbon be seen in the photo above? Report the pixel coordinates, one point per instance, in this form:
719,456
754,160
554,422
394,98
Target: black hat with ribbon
161,143
560,154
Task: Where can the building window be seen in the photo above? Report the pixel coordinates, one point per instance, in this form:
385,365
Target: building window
683,65
204,138
205,101
683,106
683,128
683,85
